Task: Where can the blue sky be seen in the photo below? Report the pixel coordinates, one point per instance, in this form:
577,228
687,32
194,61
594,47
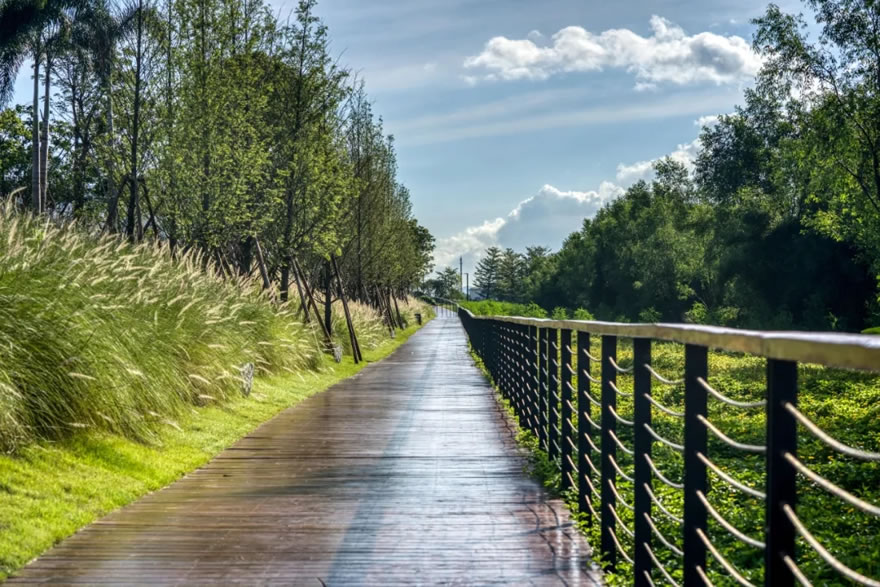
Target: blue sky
515,119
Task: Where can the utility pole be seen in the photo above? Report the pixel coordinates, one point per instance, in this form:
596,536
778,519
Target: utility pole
460,273
467,280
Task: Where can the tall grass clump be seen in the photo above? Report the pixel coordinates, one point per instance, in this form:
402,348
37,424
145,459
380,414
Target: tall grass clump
96,333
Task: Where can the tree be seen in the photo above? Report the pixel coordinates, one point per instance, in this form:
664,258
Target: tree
511,271
832,92
14,159
486,274
448,284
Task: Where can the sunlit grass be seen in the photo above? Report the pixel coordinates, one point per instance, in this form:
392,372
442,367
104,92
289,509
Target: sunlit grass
50,489
98,334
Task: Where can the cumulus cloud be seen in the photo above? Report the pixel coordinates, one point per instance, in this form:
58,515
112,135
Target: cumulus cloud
685,154
669,55
709,121
550,215
644,170
543,219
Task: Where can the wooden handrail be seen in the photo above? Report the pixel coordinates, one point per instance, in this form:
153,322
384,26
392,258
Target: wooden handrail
848,351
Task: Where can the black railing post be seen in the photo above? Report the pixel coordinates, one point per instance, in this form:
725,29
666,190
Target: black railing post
534,381
510,365
553,394
516,333
781,476
566,441
543,373
609,450
584,429
641,447
695,366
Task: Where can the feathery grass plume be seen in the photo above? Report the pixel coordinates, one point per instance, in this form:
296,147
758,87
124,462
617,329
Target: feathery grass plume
135,319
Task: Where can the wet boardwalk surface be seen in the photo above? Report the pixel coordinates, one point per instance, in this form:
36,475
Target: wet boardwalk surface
405,474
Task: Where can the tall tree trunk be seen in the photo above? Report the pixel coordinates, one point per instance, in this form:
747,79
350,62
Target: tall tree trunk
285,280
44,142
132,231
328,298
111,192
36,194
44,138
247,256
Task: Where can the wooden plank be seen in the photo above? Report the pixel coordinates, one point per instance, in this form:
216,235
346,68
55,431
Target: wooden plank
405,474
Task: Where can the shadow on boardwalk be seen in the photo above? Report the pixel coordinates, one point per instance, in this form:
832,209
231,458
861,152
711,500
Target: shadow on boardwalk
403,474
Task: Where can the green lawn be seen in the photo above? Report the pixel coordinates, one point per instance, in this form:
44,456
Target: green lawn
50,490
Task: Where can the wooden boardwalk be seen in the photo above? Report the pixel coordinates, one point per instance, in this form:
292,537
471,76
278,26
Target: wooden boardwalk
404,474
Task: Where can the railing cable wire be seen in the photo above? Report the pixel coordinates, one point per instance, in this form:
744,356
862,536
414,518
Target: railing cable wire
824,554
618,497
730,480
619,419
618,368
723,561
669,443
659,566
660,475
723,398
619,470
796,571
660,378
676,550
831,488
835,444
727,525
619,444
619,547
660,505
663,408
620,522
729,441
613,386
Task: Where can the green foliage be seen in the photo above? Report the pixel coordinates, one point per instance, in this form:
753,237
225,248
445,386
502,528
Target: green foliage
496,308
583,314
14,151
559,313
99,334
213,125
487,272
446,285
875,330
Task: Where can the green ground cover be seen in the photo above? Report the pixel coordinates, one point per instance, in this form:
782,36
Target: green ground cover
845,404
49,489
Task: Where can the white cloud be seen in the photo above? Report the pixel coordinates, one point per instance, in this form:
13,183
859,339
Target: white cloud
518,119
669,55
549,216
709,121
644,170
543,219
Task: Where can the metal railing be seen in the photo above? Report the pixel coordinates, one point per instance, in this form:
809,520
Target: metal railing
546,370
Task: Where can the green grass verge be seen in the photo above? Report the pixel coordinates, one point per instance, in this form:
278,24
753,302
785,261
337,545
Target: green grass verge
49,490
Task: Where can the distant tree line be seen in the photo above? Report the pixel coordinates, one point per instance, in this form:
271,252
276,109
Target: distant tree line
208,124
778,226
